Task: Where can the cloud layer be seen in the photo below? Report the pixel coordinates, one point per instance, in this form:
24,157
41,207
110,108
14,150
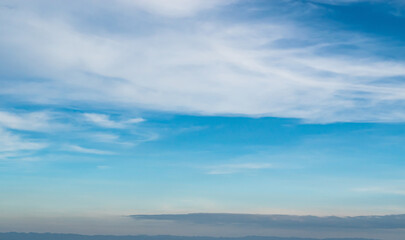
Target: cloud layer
283,221
191,60
46,236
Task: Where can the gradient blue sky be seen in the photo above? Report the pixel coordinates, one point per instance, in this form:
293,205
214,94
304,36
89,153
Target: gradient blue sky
147,107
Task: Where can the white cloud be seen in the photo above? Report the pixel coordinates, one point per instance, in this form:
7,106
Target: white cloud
31,121
104,120
236,168
200,67
103,137
12,145
135,120
175,8
76,148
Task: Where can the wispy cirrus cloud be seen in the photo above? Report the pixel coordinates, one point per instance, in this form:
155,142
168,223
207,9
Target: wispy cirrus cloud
15,145
26,132
104,120
19,132
28,121
80,149
176,8
12,145
103,137
237,168
205,66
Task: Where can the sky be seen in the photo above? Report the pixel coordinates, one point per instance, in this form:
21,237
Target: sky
111,111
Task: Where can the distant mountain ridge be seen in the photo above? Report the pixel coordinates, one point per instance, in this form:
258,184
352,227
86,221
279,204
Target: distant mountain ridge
58,236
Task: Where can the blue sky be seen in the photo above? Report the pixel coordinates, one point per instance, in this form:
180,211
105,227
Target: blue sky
117,108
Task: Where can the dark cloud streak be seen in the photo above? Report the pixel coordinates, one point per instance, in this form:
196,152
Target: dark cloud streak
283,221
53,236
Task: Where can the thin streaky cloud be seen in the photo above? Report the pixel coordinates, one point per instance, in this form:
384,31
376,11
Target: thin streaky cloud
237,168
28,121
80,149
103,137
104,120
135,120
11,143
175,8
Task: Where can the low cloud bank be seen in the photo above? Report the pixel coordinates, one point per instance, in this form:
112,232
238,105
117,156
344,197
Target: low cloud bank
283,221
53,236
